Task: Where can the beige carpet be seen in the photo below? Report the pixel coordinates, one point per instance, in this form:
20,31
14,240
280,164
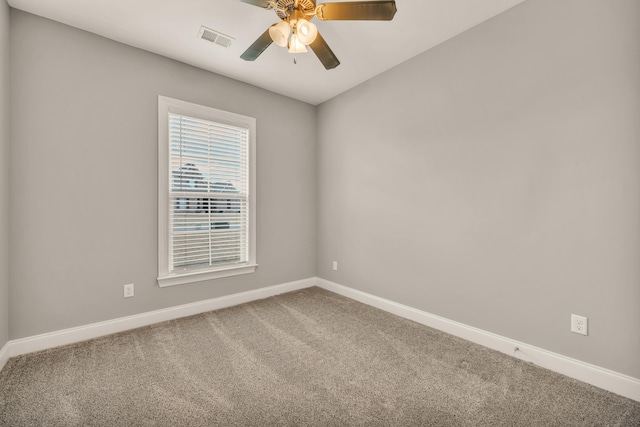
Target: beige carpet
309,357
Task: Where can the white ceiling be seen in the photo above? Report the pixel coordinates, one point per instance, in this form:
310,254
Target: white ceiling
364,48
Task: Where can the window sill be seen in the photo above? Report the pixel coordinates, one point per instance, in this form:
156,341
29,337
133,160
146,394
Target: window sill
198,276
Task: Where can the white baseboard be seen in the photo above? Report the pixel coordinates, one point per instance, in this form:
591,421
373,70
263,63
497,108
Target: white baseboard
4,355
95,330
600,377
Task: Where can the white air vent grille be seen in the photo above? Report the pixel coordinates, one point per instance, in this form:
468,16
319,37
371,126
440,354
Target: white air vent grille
215,37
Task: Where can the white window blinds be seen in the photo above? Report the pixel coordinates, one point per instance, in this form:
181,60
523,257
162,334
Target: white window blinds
208,194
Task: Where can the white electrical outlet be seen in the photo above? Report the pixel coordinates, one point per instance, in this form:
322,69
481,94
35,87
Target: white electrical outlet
335,265
128,290
579,324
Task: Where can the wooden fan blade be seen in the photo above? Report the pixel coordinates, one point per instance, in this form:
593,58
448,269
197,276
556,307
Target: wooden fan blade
324,53
357,11
259,46
259,3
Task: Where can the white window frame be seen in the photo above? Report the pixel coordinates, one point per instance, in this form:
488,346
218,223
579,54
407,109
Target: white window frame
169,105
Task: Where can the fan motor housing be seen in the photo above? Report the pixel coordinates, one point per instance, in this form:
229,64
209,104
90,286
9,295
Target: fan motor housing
307,7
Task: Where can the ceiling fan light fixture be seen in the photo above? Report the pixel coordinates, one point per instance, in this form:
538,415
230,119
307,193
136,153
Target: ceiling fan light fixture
295,45
280,33
300,33
306,31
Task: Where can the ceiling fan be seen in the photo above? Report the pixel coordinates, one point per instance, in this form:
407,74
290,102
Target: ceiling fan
296,32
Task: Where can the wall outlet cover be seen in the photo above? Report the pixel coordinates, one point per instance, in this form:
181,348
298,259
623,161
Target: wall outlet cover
128,290
579,325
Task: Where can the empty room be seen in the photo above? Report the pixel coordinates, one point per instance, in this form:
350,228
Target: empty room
298,212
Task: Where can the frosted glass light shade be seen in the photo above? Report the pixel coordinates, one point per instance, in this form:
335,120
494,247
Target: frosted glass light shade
306,31
295,46
280,33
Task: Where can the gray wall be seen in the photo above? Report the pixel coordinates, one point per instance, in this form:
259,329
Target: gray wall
495,180
84,178
4,173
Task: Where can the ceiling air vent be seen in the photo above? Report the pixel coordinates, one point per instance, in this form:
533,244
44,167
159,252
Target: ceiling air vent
215,37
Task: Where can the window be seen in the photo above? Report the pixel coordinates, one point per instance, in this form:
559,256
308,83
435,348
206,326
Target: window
206,197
